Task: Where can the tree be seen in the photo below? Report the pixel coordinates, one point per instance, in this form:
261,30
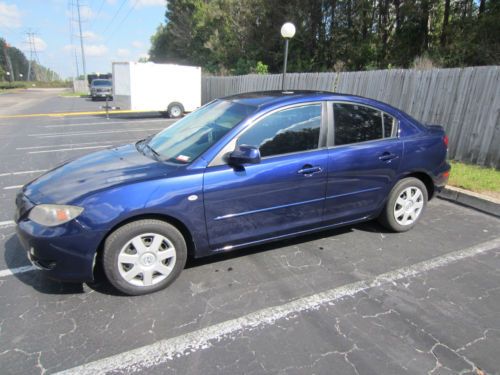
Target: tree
231,36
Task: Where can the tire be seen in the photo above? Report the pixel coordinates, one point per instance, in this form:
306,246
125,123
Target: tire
175,110
406,204
134,269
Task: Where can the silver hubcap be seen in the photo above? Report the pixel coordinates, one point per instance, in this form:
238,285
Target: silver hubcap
175,111
146,259
409,205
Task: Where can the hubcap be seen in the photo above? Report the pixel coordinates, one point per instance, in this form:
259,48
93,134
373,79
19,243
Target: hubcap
409,205
175,111
146,259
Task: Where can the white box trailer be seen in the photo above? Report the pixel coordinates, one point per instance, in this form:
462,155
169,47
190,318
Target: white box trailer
156,87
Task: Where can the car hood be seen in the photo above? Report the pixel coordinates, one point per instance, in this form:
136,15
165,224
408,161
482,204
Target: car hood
94,172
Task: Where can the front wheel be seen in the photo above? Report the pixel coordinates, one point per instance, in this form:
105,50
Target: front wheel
406,203
144,256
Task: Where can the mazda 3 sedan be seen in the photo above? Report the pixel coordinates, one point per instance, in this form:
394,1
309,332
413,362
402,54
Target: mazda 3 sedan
239,171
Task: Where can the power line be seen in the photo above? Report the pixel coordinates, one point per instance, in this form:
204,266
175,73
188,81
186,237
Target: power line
114,16
122,21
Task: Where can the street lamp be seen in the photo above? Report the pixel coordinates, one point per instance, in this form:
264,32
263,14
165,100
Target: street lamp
287,32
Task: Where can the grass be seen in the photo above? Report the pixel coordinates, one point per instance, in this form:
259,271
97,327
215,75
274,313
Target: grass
475,178
74,94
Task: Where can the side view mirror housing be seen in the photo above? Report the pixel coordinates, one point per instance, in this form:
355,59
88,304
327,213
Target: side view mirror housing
244,154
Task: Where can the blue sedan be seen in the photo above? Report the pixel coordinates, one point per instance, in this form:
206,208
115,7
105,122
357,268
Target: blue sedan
239,171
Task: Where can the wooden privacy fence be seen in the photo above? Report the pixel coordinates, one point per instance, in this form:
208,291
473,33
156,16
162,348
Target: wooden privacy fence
466,101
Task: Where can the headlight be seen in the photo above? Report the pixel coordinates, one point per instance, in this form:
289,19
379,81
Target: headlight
51,215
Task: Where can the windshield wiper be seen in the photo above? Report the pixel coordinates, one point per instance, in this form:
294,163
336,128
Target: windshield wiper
153,151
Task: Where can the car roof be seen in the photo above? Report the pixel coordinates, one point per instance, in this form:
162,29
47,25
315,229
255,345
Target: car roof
267,99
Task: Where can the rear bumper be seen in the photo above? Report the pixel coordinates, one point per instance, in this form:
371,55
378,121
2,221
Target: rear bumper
441,179
65,252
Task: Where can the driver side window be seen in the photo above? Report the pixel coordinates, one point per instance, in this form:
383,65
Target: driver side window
290,130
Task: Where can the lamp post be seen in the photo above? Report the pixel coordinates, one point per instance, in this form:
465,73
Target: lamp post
287,32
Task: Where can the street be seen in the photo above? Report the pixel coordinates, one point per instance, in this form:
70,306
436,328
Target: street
356,300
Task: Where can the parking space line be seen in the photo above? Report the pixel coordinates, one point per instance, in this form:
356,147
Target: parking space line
106,123
53,135
22,172
77,144
69,149
7,224
62,114
165,350
13,271
13,187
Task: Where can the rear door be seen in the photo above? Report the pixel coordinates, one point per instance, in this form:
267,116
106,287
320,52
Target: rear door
284,193
363,160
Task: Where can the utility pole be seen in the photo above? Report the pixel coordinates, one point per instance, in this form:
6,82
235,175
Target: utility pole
32,72
81,38
30,60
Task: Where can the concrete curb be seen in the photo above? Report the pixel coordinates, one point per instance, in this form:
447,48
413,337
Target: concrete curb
470,199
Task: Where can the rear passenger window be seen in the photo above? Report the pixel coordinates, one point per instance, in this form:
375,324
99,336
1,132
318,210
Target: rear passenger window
390,128
356,123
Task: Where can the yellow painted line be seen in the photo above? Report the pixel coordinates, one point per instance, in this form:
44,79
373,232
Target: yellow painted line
62,114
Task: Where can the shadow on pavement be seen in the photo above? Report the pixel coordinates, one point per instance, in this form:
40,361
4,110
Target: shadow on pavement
43,284
36,279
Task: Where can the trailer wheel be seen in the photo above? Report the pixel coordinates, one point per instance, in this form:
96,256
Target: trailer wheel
175,110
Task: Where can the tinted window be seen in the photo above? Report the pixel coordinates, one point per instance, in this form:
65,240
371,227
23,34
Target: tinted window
356,123
290,130
389,126
101,82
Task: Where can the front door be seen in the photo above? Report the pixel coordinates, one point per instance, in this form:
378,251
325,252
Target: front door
283,194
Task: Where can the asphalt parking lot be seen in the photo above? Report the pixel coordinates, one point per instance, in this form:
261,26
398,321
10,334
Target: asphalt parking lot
356,300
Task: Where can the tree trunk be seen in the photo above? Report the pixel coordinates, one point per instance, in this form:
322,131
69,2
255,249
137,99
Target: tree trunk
446,19
482,6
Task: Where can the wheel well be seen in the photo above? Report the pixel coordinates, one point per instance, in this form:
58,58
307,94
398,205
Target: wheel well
176,223
427,180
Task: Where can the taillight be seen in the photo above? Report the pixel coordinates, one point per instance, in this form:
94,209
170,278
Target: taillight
445,140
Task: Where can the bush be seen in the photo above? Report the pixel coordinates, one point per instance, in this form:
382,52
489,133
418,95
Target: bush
12,85
39,84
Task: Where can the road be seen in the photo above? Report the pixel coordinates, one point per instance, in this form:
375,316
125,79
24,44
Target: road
356,300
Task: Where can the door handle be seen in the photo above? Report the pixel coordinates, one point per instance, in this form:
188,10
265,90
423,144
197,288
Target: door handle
388,156
309,170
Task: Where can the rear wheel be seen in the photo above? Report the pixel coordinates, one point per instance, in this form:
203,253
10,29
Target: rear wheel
144,256
175,110
406,203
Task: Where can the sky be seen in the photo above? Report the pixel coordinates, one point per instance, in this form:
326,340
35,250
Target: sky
113,30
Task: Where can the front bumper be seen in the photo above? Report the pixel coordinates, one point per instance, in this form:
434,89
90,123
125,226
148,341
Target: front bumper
65,252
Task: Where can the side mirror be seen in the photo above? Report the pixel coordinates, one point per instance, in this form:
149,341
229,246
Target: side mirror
244,154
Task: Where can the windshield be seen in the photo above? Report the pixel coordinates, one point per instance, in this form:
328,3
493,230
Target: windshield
101,82
188,138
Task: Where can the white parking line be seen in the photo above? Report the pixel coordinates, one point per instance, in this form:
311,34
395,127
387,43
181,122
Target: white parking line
22,172
69,149
165,350
13,187
167,121
52,135
77,144
7,224
13,271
